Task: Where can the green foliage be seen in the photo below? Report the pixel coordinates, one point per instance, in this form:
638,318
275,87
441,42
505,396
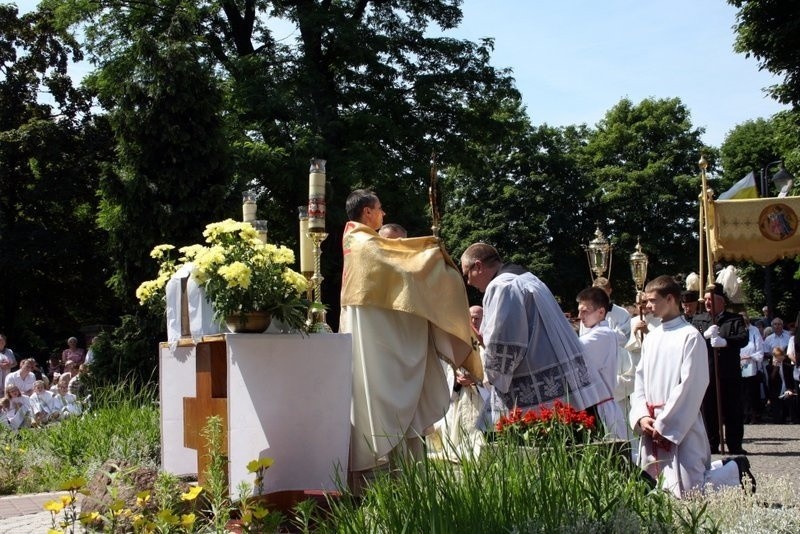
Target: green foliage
770,31
748,147
129,353
508,489
642,162
216,477
49,159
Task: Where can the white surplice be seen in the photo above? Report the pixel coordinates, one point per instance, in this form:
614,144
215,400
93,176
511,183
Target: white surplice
671,380
600,346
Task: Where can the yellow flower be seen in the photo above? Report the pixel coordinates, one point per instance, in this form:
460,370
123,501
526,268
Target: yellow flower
298,282
54,506
116,506
142,498
237,274
73,484
66,500
54,531
87,518
190,252
261,463
192,494
284,255
159,251
147,290
187,520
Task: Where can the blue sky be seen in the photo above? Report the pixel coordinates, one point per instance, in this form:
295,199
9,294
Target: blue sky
575,59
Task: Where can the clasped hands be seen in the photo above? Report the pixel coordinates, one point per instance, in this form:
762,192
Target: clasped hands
712,333
647,424
465,379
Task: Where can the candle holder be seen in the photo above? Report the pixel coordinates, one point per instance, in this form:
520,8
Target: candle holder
316,313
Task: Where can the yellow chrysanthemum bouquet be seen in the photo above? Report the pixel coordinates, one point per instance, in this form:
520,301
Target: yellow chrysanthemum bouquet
239,273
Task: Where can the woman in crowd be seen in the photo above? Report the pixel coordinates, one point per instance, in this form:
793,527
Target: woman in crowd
73,353
7,359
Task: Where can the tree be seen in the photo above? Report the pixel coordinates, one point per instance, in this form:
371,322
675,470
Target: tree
49,157
768,30
508,193
642,164
361,85
748,147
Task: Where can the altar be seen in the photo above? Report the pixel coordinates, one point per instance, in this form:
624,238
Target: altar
282,396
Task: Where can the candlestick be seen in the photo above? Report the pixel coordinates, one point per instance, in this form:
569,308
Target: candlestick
316,196
249,206
306,245
316,313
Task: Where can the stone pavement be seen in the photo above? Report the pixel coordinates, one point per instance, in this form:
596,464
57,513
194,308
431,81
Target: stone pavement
772,449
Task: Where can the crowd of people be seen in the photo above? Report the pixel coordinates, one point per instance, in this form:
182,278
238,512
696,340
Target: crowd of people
651,377
34,397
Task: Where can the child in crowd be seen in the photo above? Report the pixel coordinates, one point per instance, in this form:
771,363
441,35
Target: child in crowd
43,404
65,402
17,414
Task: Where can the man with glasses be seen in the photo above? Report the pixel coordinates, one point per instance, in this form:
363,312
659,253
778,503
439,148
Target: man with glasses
532,355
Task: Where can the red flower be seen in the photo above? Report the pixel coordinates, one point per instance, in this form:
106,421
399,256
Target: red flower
533,423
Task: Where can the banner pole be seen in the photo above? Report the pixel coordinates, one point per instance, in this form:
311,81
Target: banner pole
710,288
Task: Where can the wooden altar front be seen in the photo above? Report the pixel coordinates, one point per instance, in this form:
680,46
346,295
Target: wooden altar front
285,397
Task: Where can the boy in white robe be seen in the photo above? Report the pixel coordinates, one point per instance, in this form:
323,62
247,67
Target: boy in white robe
671,380
600,346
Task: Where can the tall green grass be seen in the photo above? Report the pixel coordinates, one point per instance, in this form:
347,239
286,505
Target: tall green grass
510,489
123,423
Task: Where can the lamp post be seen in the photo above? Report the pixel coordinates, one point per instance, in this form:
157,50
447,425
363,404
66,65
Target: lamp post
783,181
598,253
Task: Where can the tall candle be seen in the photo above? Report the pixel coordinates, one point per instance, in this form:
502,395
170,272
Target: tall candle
316,196
261,227
306,245
249,206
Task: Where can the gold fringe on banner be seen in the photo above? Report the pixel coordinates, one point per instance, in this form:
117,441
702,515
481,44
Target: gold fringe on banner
760,230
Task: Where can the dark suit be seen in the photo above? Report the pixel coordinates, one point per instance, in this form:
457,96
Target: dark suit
782,407
734,331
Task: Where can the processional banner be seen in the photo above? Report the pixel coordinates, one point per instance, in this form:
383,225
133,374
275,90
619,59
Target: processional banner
761,230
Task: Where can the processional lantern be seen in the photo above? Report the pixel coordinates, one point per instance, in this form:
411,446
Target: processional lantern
639,267
598,254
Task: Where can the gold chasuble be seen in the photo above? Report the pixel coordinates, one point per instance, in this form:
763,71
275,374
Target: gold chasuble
409,275
762,230
407,310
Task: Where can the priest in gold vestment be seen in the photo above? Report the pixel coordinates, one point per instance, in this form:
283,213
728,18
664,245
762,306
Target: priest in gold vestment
406,308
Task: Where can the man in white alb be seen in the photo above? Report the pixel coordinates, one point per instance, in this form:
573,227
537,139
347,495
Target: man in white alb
671,381
600,345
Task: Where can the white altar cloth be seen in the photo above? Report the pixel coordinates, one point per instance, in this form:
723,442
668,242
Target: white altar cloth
288,399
